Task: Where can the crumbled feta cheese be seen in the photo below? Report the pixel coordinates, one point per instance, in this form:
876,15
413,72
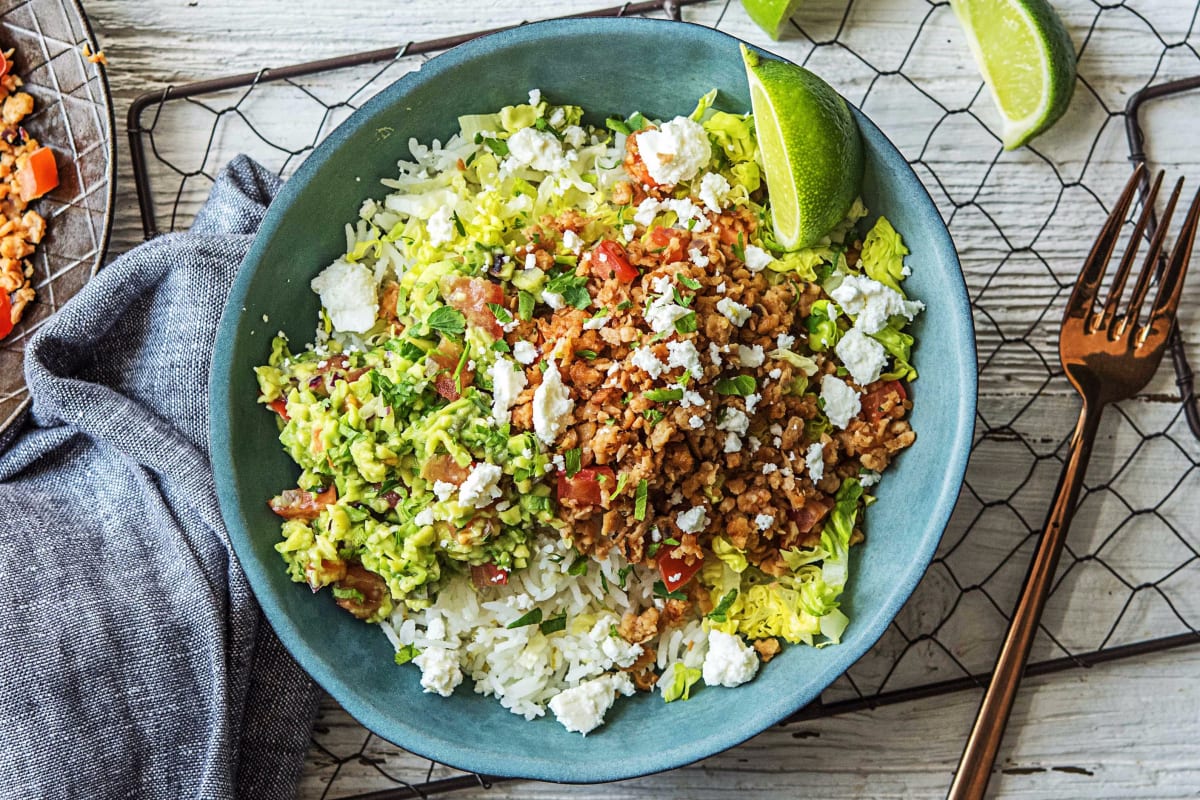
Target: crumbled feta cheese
647,210
557,117
864,357
733,419
553,299
767,469
676,151
841,402
714,189
729,662
508,381
525,352
574,136
629,232
695,421
775,374
691,399
663,312
872,303
535,96
481,487
757,259
698,258
645,360
690,215
441,226
721,287
733,311
733,444
581,709
551,404
785,341
814,460
440,673
540,150
714,353
754,443
444,490
869,479
693,520
348,294
559,461
618,651
764,521
595,323
424,518
572,241
750,356
685,355
530,261
752,402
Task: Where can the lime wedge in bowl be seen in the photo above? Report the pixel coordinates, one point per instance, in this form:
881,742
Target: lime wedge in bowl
1027,60
810,146
770,14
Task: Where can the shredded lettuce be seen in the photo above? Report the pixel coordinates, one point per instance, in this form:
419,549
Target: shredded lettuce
899,345
823,331
703,106
883,254
679,684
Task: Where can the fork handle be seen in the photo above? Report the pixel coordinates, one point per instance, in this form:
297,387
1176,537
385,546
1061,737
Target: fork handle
979,755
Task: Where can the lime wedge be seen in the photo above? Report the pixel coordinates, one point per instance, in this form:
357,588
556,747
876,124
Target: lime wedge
1027,60
811,150
770,14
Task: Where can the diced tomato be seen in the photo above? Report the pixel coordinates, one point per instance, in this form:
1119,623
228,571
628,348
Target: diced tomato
489,575
279,406
444,383
674,570
585,487
299,504
38,175
444,468
367,591
610,259
810,514
669,243
872,401
6,324
4,65
471,296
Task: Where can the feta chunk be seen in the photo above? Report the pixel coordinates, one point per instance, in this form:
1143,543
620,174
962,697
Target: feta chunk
508,381
714,189
814,460
647,210
444,490
690,215
691,399
617,651
764,521
424,519
693,520
595,323
629,232
481,487
552,403
535,96
841,402
441,226
733,419
757,259
695,422
440,673
553,299
733,443
733,311
676,151
729,661
575,136
751,356
525,352
645,360
864,357
785,341
582,708
872,303
540,150
572,241
663,312
714,353
685,356
869,479
348,294
697,258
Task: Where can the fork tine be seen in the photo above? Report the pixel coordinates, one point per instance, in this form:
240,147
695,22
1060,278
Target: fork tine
1088,282
1148,267
1171,286
1135,240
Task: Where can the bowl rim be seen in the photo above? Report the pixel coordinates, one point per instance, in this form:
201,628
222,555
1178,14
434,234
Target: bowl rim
460,755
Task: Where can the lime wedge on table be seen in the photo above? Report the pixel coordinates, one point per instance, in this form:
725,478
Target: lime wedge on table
770,14
810,146
1027,60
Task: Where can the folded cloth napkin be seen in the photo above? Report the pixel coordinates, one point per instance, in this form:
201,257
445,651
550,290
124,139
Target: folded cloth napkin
134,661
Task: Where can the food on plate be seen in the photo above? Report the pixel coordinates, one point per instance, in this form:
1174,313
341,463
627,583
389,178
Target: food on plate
573,424
27,171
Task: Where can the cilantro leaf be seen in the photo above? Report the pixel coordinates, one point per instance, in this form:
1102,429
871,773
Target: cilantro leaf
742,386
447,321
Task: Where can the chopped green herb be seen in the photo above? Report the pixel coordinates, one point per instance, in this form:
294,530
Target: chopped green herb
625,400
636,121
617,124
687,323
447,321
579,566
458,226
572,287
653,416
671,541
501,346
739,249
681,299
652,550
639,507
623,573
532,618
660,590
742,386
603,582
554,625
684,378
589,355
690,283
621,480
624,305
501,313
665,395
525,304
721,612
406,654
346,593
497,146
572,459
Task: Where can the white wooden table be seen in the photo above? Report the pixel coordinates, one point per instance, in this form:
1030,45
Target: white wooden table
1128,729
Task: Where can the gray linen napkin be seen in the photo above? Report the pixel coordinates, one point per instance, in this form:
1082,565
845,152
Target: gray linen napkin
134,661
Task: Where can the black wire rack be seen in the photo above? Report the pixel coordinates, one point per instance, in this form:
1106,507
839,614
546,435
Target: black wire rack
1129,579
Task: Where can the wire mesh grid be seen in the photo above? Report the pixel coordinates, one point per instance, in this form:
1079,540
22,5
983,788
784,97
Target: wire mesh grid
1128,581
73,115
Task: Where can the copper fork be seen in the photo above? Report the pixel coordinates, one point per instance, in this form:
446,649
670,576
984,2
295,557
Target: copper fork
1108,355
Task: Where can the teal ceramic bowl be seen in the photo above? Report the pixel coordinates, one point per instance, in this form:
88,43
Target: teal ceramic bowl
609,66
